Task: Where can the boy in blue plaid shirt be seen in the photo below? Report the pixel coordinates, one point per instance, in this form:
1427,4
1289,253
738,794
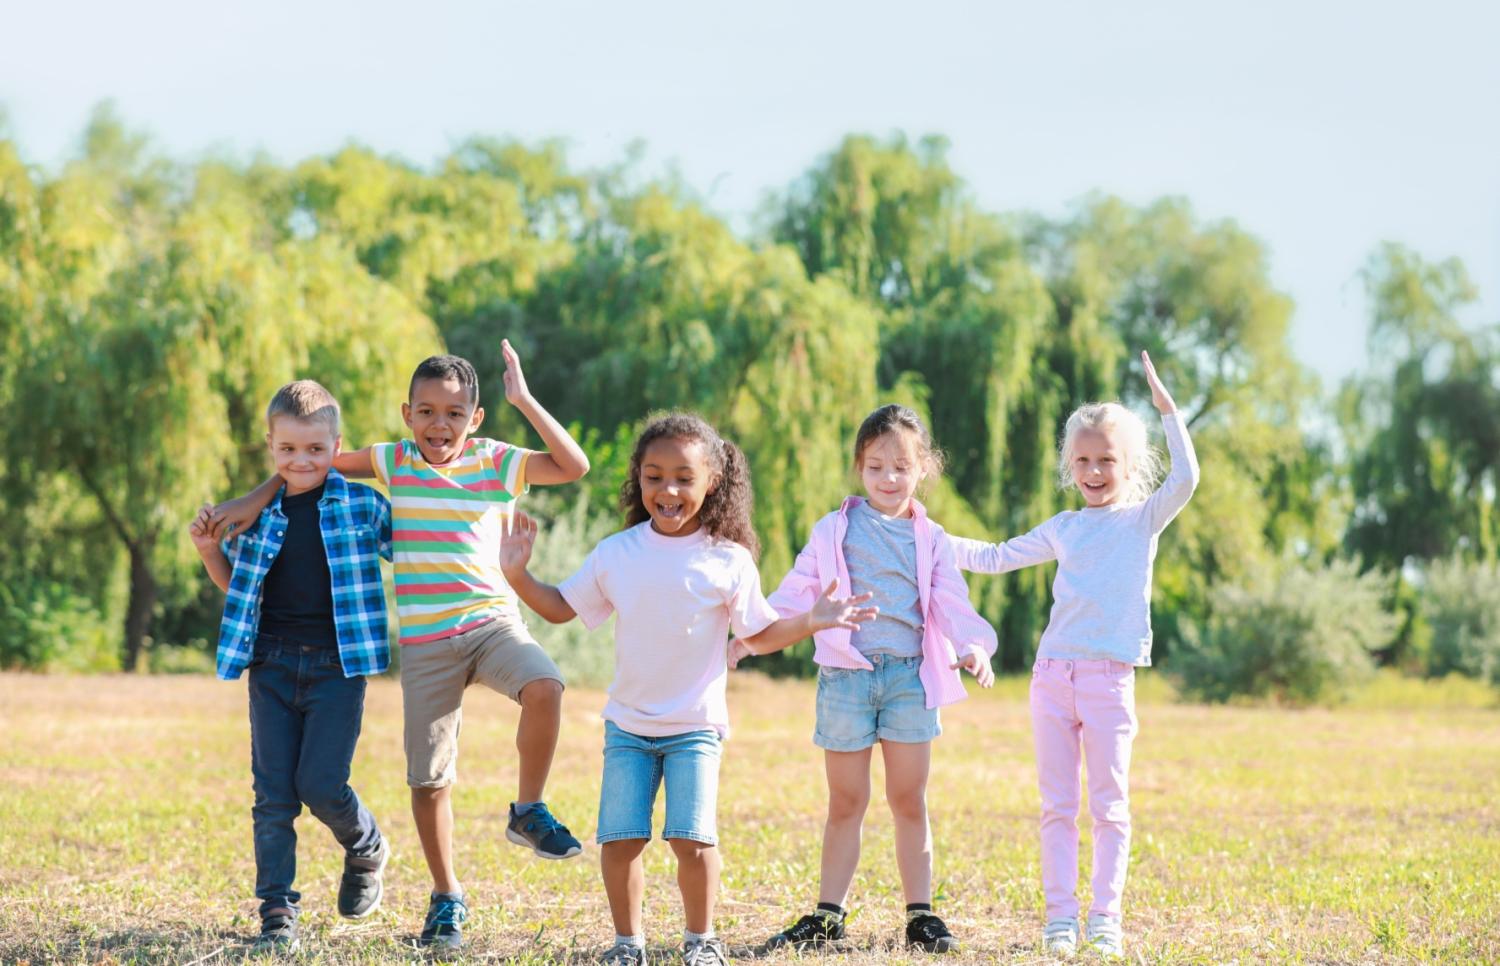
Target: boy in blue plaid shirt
305,612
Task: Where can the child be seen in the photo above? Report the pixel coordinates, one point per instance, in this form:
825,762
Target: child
679,576
451,497
884,681
1083,683
305,612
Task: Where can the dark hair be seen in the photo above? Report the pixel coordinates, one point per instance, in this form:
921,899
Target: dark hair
440,368
726,510
893,418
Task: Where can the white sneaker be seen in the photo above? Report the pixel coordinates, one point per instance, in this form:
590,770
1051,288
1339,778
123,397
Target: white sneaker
1105,936
1060,937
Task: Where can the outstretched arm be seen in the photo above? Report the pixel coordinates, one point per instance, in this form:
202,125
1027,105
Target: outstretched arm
828,611
564,460
1182,479
515,554
980,557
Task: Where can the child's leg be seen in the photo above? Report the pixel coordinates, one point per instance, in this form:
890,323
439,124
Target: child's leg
275,745
433,678
624,882
1106,704
690,767
334,710
848,775
506,658
536,736
1055,732
906,769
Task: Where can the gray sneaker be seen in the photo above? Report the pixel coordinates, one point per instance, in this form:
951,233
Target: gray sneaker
278,934
1060,938
361,888
624,954
1105,936
704,952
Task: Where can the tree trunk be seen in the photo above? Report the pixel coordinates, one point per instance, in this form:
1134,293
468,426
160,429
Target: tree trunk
143,593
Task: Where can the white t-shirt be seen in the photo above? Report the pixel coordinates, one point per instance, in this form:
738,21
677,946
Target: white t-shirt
677,598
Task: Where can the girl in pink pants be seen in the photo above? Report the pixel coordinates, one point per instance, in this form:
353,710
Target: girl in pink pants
1083,683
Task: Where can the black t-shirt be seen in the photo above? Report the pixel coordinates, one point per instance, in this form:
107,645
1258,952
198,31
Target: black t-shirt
297,595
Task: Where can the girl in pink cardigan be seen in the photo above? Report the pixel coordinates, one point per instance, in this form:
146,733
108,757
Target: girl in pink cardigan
885,681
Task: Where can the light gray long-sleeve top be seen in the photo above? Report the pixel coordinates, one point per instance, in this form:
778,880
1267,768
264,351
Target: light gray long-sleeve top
1101,597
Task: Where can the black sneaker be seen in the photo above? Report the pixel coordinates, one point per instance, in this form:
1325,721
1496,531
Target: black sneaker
361,888
278,934
541,833
809,932
444,926
927,933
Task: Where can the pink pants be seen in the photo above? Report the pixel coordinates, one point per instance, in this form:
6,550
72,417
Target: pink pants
1089,704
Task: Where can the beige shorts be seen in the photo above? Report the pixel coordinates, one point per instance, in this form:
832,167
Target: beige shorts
500,654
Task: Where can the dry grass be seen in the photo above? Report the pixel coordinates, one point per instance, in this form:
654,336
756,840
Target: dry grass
1361,836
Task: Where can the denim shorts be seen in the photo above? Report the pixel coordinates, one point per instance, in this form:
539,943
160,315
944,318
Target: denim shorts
856,708
634,766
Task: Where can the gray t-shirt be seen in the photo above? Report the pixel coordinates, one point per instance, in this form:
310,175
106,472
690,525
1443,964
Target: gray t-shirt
881,553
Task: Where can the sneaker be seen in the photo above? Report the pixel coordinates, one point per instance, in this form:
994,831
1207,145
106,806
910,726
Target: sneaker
1060,937
704,952
362,887
540,832
624,954
928,933
1105,936
443,928
810,931
278,934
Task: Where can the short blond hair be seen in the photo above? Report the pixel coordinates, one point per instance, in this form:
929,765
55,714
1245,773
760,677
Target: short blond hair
1143,464
307,401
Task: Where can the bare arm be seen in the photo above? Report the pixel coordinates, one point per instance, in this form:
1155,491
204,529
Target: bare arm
208,548
235,516
515,554
356,464
564,460
828,611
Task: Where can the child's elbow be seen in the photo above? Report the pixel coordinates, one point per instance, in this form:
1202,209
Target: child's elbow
580,467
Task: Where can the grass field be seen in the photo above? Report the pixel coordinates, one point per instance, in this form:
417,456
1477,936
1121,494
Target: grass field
1366,835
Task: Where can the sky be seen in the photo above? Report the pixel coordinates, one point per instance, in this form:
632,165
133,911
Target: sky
1322,128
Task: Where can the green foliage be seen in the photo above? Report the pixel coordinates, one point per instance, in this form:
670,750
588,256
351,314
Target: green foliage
1303,638
45,626
1460,602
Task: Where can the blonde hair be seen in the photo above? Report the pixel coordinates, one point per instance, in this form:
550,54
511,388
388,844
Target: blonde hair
307,401
1142,463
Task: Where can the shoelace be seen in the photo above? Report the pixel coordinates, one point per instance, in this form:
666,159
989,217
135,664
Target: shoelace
447,912
539,819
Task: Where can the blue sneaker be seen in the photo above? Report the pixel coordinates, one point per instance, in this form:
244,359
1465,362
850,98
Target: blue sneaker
541,833
443,929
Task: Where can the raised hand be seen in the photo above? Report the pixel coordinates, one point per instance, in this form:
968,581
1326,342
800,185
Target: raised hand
979,666
1160,398
516,390
517,543
844,612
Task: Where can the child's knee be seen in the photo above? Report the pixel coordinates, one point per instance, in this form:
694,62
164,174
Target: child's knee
691,850
848,804
542,694
908,805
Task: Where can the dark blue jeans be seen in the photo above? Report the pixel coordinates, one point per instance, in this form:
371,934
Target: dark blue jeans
304,721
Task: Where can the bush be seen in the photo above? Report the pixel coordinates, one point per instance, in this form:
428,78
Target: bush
46,626
1304,638
1460,602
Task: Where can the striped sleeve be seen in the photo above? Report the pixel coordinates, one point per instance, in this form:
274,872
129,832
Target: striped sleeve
383,461
510,466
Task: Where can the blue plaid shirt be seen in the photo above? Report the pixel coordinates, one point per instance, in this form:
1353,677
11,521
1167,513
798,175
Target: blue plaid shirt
356,525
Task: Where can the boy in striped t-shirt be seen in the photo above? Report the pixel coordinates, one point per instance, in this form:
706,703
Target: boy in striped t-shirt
452,498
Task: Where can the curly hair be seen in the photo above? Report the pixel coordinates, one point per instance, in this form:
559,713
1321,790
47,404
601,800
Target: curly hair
895,418
1143,465
726,510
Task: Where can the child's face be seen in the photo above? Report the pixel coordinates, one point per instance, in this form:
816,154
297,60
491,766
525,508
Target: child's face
675,480
1099,468
890,469
303,452
441,417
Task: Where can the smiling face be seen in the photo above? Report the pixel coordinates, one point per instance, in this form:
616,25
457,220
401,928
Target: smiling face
303,451
1098,466
675,480
890,469
441,415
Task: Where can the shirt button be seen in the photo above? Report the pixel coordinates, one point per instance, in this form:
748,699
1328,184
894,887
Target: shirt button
281,533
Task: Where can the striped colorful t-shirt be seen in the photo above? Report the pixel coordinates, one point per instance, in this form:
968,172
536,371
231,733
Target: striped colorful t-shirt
446,526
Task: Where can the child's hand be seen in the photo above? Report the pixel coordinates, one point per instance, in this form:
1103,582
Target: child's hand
200,531
1160,398
231,518
516,390
843,612
979,666
516,544
738,651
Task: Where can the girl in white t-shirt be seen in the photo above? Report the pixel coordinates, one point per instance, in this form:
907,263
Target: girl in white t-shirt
680,576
